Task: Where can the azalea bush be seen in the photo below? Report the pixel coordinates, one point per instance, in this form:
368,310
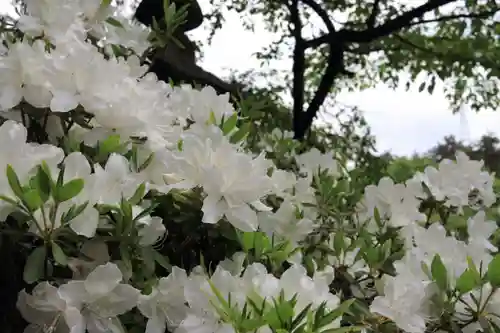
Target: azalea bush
99,159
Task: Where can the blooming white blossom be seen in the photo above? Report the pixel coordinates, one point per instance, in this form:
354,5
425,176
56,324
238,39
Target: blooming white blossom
397,202
100,298
151,228
233,181
165,305
313,160
46,309
452,182
286,223
114,182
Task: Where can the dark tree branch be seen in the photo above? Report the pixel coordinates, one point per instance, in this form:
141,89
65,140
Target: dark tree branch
335,66
323,15
385,29
298,64
370,22
480,15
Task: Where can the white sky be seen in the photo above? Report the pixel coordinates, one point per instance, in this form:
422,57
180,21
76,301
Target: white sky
403,122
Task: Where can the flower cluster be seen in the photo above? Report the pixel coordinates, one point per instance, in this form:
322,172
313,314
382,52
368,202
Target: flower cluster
100,160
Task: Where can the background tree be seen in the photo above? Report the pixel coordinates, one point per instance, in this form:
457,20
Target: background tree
446,40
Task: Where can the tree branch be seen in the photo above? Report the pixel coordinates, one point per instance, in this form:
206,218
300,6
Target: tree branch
335,66
322,14
480,15
390,26
298,64
370,22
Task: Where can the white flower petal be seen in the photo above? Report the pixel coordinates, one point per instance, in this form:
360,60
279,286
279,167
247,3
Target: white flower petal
86,223
212,209
243,218
63,101
103,279
10,96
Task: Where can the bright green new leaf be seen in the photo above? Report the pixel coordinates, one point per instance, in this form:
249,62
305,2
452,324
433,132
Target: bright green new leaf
138,195
241,133
69,190
32,200
247,240
109,145
333,315
14,183
230,124
212,120
493,274
439,272
467,282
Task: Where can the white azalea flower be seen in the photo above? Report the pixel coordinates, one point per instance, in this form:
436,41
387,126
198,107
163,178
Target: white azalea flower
100,298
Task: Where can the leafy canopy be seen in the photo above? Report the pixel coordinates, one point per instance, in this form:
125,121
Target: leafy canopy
433,41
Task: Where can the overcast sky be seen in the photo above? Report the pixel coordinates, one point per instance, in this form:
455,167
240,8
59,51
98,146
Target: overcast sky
403,122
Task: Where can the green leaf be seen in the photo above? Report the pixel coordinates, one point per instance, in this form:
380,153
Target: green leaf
162,261
241,133
138,195
247,240
35,265
338,312
43,184
105,3
59,255
114,22
279,315
125,256
127,211
338,242
14,183
166,8
69,190
74,211
32,200
146,163
467,282
439,273
252,324
212,120
493,274
109,145
9,200
230,124
261,244
300,317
